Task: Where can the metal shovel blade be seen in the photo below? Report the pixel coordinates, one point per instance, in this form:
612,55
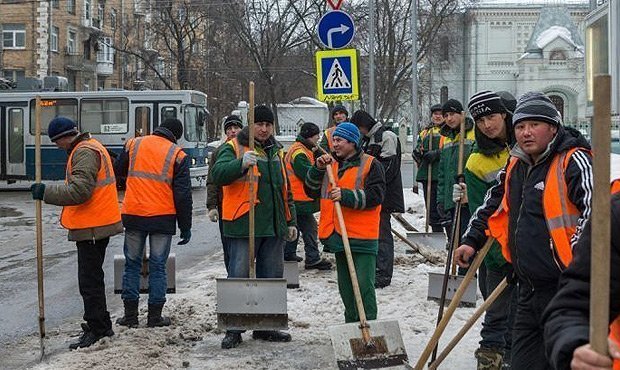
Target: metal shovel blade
251,304
436,240
119,267
435,283
388,349
291,274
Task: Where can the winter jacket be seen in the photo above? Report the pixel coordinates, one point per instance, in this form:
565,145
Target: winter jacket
567,316
424,156
181,192
374,192
528,236
486,160
214,192
85,165
448,162
383,144
270,213
301,164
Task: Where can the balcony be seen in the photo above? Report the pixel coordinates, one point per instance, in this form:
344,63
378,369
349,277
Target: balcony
76,62
105,68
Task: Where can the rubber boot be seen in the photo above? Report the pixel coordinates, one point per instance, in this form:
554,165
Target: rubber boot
155,318
131,314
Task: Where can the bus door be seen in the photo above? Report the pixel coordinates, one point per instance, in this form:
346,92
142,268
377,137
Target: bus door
12,145
143,119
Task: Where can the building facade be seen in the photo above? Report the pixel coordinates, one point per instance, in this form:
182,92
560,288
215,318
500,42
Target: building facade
516,47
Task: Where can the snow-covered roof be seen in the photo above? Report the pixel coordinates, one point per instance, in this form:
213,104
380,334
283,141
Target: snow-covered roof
525,3
552,23
551,34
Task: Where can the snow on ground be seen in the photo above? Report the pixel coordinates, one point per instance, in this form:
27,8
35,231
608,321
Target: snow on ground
193,341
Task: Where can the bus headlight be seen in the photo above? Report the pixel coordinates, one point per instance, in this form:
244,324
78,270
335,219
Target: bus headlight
206,160
193,161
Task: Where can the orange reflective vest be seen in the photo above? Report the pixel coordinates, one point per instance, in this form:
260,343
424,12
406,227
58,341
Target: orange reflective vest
561,214
614,332
329,134
360,223
235,196
149,179
297,184
101,209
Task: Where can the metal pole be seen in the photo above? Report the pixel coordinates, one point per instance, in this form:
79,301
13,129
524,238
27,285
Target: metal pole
371,66
414,89
49,40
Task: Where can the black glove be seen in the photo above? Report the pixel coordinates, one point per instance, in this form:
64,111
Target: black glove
417,156
186,235
431,156
38,190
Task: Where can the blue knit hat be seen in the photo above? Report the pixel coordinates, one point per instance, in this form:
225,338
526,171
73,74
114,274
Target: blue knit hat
348,131
60,127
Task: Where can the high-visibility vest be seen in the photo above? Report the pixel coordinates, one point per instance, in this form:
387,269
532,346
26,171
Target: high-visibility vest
235,196
101,209
329,134
560,213
149,179
297,184
360,223
614,332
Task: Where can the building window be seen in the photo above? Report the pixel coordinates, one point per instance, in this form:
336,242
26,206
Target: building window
14,36
14,74
87,12
113,19
71,42
443,94
444,49
54,39
559,104
106,51
71,6
557,55
56,4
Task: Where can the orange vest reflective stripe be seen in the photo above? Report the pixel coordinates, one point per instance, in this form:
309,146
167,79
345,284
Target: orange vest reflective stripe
330,138
149,179
561,214
235,196
297,184
360,223
101,209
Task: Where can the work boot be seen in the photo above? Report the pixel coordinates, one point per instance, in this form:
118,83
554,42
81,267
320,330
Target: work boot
489,358
321,265
130,319
88,338
231,340
271,335
292,258
155,318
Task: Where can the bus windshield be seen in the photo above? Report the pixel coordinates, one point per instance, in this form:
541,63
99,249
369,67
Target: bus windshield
194,125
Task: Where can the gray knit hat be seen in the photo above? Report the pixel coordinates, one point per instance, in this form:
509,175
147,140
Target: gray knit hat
536,106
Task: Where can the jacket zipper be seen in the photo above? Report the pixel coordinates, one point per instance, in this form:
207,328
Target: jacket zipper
554,255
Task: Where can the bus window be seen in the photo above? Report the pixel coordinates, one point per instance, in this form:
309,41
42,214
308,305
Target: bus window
51,108
168,112
104,116
138,122
194,125
16,135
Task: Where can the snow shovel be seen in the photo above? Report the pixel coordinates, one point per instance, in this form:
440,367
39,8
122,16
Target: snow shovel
251,303
601,228
386,347
39,226
434,240
119,267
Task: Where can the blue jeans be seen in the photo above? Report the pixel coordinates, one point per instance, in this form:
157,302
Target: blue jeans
159,245
269,256
306,224
496,330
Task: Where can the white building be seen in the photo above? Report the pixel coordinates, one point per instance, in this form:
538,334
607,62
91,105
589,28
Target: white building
516,47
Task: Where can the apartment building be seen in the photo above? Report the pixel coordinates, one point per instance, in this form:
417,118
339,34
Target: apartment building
73,39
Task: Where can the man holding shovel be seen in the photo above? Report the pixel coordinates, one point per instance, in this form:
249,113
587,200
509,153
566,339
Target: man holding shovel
536,212
90,213
274,204
360,191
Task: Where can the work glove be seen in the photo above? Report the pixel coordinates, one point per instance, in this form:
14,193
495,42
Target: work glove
38,190
214,215
417,156
431,156
186,235
249,159
291,235
459,193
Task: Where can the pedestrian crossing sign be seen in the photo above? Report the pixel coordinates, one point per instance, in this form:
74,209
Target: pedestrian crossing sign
337,78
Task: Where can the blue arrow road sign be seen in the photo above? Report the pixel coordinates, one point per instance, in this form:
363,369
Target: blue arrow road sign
336,29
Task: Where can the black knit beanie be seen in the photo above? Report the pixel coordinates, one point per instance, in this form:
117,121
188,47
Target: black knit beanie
262,113
175,126
536,106
232,120
484,103
309,129
452,105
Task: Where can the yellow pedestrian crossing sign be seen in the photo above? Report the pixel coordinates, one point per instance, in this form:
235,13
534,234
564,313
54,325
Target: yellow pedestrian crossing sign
337,77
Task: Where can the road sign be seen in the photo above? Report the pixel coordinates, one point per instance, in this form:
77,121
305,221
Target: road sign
336,29
335,6
337,77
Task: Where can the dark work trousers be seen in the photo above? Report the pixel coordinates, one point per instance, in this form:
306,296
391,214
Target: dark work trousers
225,241
92,287
434,220
385,255
528,346
465,215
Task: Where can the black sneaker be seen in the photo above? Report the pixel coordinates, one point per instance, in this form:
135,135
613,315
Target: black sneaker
271,335
381,284
88,338
231,340
294,257
321,265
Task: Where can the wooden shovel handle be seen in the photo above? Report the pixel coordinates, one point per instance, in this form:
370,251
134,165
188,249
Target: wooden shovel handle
429,175
39,223
251,180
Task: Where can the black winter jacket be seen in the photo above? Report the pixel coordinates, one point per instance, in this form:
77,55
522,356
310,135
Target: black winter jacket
567,315
528,237
181,191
